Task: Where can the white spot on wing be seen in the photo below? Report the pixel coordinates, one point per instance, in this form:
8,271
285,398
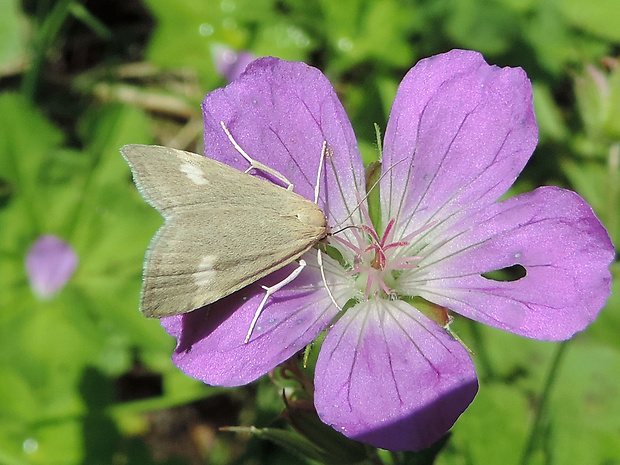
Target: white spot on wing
194,174
205,274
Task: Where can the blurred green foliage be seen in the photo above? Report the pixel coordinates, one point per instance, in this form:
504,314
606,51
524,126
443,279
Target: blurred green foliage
80,79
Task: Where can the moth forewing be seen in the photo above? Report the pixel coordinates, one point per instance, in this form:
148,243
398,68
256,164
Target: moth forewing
163,175
223,229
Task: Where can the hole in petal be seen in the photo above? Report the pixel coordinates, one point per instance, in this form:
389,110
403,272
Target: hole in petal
510,273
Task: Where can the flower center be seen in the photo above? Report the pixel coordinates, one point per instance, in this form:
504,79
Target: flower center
378,261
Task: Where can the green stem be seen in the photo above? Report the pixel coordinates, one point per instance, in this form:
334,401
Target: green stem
373,456
613,169
46,34
482,355
530,445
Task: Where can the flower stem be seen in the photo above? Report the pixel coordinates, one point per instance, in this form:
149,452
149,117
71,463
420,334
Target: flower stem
613,165
535,431
47,32
482,354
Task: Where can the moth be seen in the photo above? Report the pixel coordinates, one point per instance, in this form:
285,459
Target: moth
223,229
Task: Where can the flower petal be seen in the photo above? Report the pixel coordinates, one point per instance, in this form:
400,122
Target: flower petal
280,113
50,262
553,234
389,376
210,341
464,130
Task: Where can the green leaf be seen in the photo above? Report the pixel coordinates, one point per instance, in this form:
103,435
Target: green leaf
554,42
486,26
55,442
185,33
598,184
504,357
493,428
598,17
548,116
357,32
584,417
591,92
14,33
604,330
94,321
27,143
612,124
289,440
337,448
284,39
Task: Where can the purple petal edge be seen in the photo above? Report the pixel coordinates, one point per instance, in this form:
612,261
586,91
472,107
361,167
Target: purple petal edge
460,132
389,376
554,234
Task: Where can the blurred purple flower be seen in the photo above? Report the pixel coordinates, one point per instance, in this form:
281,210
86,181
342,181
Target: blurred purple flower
459,133
228,63
50,262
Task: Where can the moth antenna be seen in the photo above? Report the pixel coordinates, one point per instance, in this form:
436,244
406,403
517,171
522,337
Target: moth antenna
257,165
269,292
351,226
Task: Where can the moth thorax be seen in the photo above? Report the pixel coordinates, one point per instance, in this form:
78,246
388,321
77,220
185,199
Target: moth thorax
313,217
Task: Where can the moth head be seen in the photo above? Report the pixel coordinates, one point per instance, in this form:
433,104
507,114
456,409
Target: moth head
313,217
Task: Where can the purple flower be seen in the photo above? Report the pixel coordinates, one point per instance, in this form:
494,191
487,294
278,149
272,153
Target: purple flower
459,133
228,63
50,262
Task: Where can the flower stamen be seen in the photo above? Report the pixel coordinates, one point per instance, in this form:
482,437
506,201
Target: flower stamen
374,258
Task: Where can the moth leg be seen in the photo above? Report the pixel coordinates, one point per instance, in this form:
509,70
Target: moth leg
319,259
270,291
254,164
318,175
